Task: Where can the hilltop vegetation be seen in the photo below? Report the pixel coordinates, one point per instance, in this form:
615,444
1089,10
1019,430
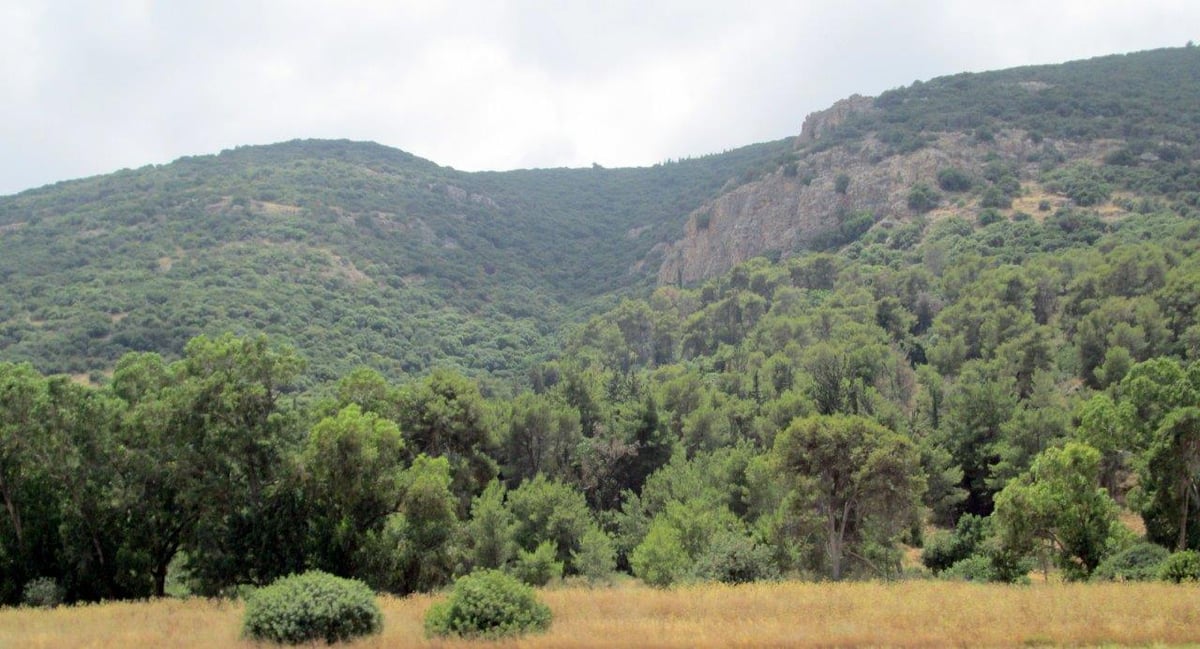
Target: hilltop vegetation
1149,96
355,253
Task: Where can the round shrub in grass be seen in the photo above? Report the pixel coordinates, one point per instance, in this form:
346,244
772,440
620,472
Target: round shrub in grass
42,592
1139,562
1180,567
488,604
311,606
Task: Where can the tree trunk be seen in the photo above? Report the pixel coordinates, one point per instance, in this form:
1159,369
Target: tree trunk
160,578
1181,544
14,513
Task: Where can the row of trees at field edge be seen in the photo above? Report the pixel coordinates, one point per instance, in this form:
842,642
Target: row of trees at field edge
209,471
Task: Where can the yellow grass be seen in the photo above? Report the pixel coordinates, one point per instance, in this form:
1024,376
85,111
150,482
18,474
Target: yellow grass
910,614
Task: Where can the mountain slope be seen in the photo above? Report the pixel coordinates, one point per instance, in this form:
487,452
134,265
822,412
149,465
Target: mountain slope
361,254
354,252
1024,141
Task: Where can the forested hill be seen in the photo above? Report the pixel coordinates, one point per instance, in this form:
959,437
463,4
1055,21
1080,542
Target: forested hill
355,253
359,254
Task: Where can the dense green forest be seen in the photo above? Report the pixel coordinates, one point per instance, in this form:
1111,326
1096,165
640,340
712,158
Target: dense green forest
1006,391
355,253
803,418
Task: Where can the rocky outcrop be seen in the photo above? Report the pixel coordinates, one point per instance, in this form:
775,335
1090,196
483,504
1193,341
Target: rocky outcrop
823,121
788,209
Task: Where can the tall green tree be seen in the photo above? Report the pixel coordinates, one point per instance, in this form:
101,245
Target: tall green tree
444,415
491,529
82,457
550,511
417,549
859,481
351,466
28,535
204,440
976,412
1059,502
1170,479
542,437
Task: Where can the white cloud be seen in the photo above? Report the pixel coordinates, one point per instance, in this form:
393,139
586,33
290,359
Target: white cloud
87,88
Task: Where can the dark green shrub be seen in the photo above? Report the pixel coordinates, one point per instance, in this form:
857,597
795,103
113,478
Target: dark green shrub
943,549
990,216
841,183
537,568
1139,562
488,604
1123,157
311,606
994,196
922,198
953,180
1082,183
1180,567
43,592
989,566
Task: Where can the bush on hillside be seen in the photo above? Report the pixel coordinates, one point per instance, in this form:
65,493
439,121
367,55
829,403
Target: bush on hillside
954,180
841,183
922,198
996,198
488,604
311,606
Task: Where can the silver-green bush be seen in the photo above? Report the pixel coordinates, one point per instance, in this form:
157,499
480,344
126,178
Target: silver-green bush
43,592
311,606
488,604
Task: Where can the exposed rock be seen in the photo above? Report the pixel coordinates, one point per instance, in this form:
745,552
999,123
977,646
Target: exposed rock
783,213
822,121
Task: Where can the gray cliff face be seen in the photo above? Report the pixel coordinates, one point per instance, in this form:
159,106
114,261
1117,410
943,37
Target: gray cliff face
784,212
823,121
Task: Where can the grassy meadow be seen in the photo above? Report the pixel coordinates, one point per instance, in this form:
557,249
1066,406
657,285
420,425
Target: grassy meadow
915,614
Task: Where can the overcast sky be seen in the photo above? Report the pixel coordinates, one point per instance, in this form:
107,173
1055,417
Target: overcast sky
91,87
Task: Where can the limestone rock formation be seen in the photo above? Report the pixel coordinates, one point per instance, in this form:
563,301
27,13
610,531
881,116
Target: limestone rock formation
789,209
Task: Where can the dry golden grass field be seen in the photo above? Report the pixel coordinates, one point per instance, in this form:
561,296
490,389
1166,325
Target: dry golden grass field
906,614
